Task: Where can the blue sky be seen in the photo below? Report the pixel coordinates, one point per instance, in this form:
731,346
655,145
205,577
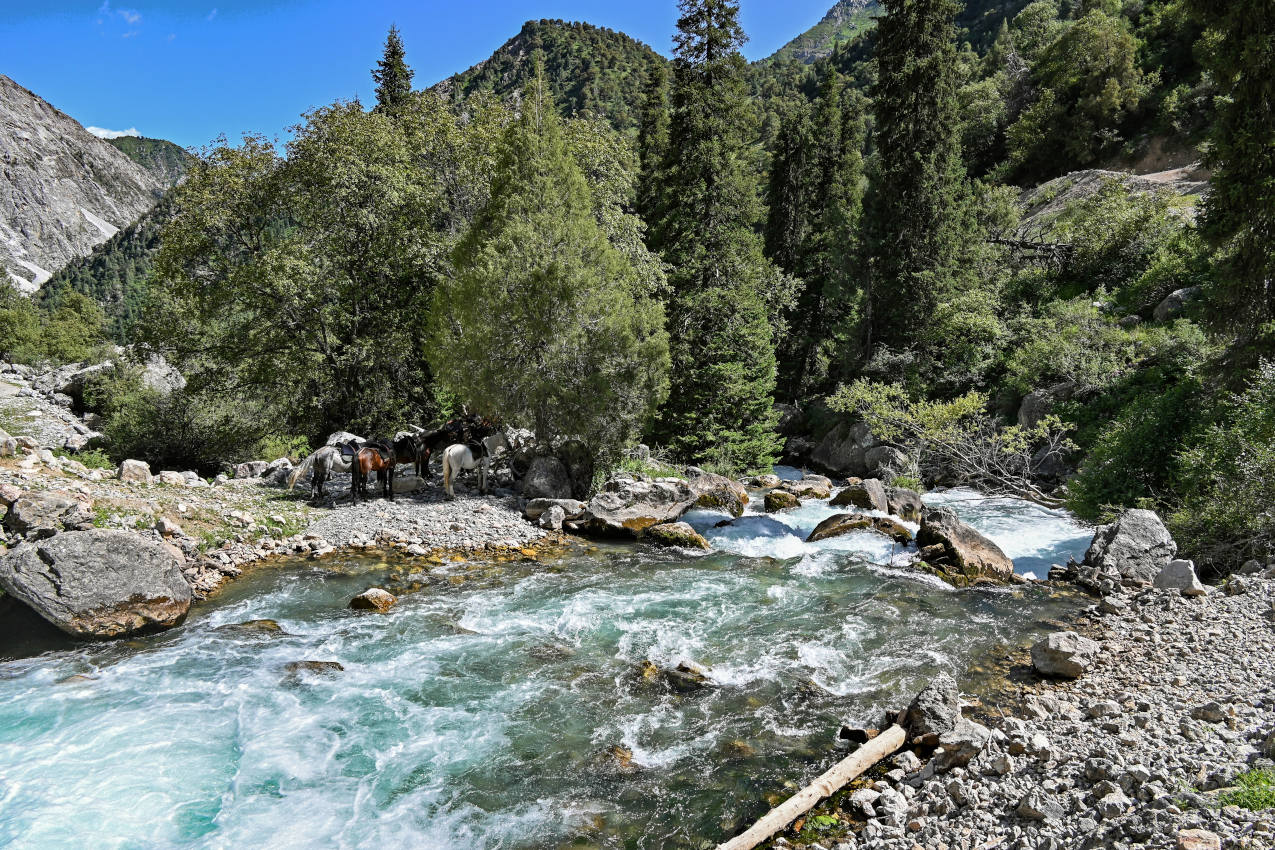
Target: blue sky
188,70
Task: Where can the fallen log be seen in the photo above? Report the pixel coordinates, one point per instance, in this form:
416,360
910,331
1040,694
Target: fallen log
829,783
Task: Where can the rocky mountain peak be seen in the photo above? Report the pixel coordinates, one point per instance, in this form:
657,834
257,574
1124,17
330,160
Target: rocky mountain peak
64,191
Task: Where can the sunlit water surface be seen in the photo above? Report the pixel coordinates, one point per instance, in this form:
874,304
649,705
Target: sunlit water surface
480,711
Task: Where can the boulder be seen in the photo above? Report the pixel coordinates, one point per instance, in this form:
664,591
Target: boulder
882,460
338,437
404,482
98,584
159,375
934,711
1180,575
842,450
135,472
1039,804
1136,546
967,556
676,534
374,599
277,471
171,478
1064,654
553,518
809,487
628,505
961,744
765,482
717,492
9,494
547,478
40,514
1198,839
1175,303
1038,404
869,495
839,524
251,469
903,503
571,508
792,421
578,461
780,500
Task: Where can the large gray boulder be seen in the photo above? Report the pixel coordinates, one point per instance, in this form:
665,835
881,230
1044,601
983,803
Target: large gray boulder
628,505
959,552
717,492
36,514
1180,575
869,494
934,711
1176,303
98,584
904,503
842,450
883,460
547,478
1064,654
1136,545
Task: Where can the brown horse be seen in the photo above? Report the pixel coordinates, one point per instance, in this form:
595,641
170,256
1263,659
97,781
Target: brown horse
467,430
375,457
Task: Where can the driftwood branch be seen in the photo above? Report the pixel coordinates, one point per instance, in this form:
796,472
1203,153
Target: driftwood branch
829,783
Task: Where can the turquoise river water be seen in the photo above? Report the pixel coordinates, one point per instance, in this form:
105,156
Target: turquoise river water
485,709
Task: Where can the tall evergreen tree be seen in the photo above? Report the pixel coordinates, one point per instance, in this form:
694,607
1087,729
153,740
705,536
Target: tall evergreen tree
393,77
653,126
918,184
788,195
721,405
1239,211
544,321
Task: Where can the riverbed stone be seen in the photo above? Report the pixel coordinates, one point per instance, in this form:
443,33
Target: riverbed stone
717,492
98,584
571,508
374,599
841,524
43,514
869,495
904,503
1179,575
547,478
809,487
933,711
780,500
627,506
1136,545
135,472
1064,654
676,534
967,557
553,518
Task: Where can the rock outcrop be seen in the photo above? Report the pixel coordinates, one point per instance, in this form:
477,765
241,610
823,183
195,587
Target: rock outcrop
958,552
840,524
1136,546
869,495
37,514
98,584
64,191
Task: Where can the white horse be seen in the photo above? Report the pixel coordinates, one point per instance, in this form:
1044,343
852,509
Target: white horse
458,458
326,461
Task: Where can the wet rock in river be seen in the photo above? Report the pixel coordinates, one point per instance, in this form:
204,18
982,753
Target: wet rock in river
809,487
374,599
717,492
320,667
869,495
839,524
676,534
780,500
267,628
1136,545
967,557
933,711
903,503
765,482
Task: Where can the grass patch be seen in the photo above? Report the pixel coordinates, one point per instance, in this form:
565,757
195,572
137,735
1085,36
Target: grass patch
907,482
92,459
1255,790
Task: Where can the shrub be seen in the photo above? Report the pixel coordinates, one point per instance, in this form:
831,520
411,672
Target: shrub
274,446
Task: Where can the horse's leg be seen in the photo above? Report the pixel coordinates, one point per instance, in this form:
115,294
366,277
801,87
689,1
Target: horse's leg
447,476
482,475
389,482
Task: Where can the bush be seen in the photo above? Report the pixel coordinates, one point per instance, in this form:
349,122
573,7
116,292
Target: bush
1255,791
1227,481
275,446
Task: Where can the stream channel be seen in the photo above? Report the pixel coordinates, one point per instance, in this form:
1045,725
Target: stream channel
498,706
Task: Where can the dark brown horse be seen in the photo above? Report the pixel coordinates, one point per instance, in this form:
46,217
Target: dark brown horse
467,430
375,457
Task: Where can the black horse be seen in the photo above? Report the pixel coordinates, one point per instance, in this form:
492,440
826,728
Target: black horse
468,430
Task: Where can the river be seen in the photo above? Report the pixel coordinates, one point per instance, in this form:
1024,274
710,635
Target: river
487,709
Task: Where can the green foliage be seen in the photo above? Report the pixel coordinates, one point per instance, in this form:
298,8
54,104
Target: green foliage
1255,791
67,330
1227,479
845,21
545,322
589,70
725,293
392,76
274,446
93,458
164,159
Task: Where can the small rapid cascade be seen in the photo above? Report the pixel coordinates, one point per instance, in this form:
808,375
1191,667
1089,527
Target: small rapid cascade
498,706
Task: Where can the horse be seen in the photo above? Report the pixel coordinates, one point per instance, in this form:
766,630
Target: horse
325,462
468,429
459,457
410,448
375,457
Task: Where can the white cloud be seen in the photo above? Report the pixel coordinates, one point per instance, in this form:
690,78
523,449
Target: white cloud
102,133
130,16
211,15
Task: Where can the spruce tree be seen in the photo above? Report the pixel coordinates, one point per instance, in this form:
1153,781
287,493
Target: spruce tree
653,125
1239,211
788,195
544,322
721,406
918,183
393,77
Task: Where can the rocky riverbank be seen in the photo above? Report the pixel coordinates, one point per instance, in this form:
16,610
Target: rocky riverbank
1175,703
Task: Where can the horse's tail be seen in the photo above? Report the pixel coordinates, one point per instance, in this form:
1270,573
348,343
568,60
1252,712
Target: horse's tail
302,469
447,471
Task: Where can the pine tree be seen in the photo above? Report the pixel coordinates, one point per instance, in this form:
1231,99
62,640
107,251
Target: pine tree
1239,211
788,195
393,77
918,184
721,405
653,127
544,321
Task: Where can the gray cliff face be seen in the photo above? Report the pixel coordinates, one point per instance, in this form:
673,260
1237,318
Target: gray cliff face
63,190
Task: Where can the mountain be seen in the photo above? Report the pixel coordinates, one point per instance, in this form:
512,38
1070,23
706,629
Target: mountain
166,161
844,21
64,192
590,69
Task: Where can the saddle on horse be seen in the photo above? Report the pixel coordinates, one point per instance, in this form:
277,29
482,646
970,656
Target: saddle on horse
349,448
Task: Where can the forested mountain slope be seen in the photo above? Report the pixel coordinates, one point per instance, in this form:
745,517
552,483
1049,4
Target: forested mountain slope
166,161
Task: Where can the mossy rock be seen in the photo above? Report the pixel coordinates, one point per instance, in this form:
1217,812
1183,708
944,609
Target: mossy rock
781,500
676,534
